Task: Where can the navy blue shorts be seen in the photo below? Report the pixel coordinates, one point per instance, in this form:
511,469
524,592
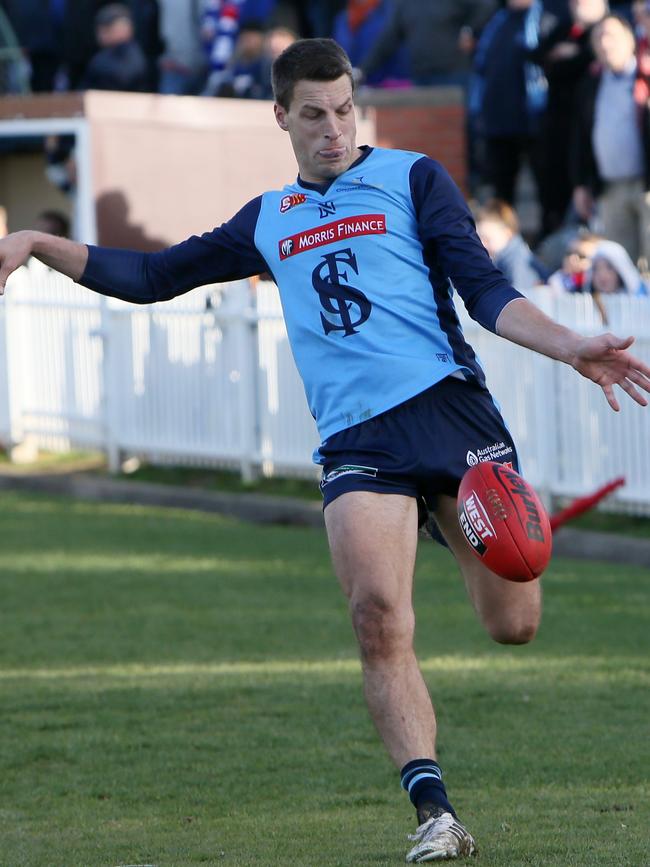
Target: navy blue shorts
420,448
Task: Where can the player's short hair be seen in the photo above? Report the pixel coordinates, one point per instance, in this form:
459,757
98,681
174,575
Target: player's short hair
308,60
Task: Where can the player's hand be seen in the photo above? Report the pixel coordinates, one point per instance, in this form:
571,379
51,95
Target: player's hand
15,250
604,360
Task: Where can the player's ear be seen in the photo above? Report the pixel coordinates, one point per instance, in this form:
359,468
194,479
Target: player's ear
280,116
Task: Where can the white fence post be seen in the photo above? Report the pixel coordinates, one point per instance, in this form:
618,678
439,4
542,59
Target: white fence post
236,309
109,387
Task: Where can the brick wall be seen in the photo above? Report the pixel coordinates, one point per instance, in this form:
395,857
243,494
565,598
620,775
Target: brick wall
429,120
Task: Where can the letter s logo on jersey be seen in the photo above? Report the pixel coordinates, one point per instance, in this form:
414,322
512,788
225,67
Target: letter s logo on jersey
348,306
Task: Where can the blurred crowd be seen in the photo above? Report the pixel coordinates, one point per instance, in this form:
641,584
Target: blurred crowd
558,88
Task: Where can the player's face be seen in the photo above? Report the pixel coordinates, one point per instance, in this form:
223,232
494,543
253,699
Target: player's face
322,127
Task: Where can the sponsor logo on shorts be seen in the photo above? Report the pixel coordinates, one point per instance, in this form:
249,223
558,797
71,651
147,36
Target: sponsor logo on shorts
329,233
288,202
475,523
489,453
348,470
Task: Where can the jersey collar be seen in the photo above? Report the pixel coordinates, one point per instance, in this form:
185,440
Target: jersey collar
324,187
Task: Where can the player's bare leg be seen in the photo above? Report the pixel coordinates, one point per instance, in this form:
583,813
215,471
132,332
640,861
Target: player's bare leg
510,611
373,541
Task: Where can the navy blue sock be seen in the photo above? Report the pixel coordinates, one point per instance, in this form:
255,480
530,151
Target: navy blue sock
422,779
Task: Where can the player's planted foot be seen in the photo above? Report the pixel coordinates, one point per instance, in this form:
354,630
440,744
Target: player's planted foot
440,837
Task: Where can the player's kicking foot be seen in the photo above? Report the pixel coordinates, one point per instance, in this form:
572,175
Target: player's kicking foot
441,837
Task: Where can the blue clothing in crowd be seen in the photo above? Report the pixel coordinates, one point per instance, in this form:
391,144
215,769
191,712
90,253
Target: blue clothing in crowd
508,91
357,43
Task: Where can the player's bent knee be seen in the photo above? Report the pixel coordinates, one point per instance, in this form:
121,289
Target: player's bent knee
520,631
382,629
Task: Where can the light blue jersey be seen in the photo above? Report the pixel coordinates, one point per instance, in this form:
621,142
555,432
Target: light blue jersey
355,289
366,265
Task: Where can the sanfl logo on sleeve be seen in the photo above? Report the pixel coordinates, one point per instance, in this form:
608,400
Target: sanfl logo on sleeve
290,201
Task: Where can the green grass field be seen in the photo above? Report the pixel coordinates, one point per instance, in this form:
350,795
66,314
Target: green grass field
181,689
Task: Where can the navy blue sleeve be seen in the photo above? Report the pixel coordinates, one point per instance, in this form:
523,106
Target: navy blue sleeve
226,253
452,248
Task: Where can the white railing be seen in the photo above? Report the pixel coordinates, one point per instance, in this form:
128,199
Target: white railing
209,379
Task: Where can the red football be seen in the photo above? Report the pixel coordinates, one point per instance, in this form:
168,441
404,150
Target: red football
504,522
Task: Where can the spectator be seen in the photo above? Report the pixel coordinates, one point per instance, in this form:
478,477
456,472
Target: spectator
275,41
248,75
295,15
53,223
358,27
613,272
565,53
60,163
36,24
321,15
78,40
508,95
439,37
611,142
559,9
120,64
146,24
573,276
219,30
641,14
498,229
182,65
257,10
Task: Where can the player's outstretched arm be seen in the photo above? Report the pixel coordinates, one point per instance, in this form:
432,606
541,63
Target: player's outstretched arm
68,257
603,359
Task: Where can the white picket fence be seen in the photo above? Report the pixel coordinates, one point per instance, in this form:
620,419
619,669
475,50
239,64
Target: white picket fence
209,379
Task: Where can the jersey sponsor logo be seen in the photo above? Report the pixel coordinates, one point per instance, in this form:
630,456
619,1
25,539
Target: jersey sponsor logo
339,230
286,247
348,470
358,184
347,303
326,209
471,459
290,201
